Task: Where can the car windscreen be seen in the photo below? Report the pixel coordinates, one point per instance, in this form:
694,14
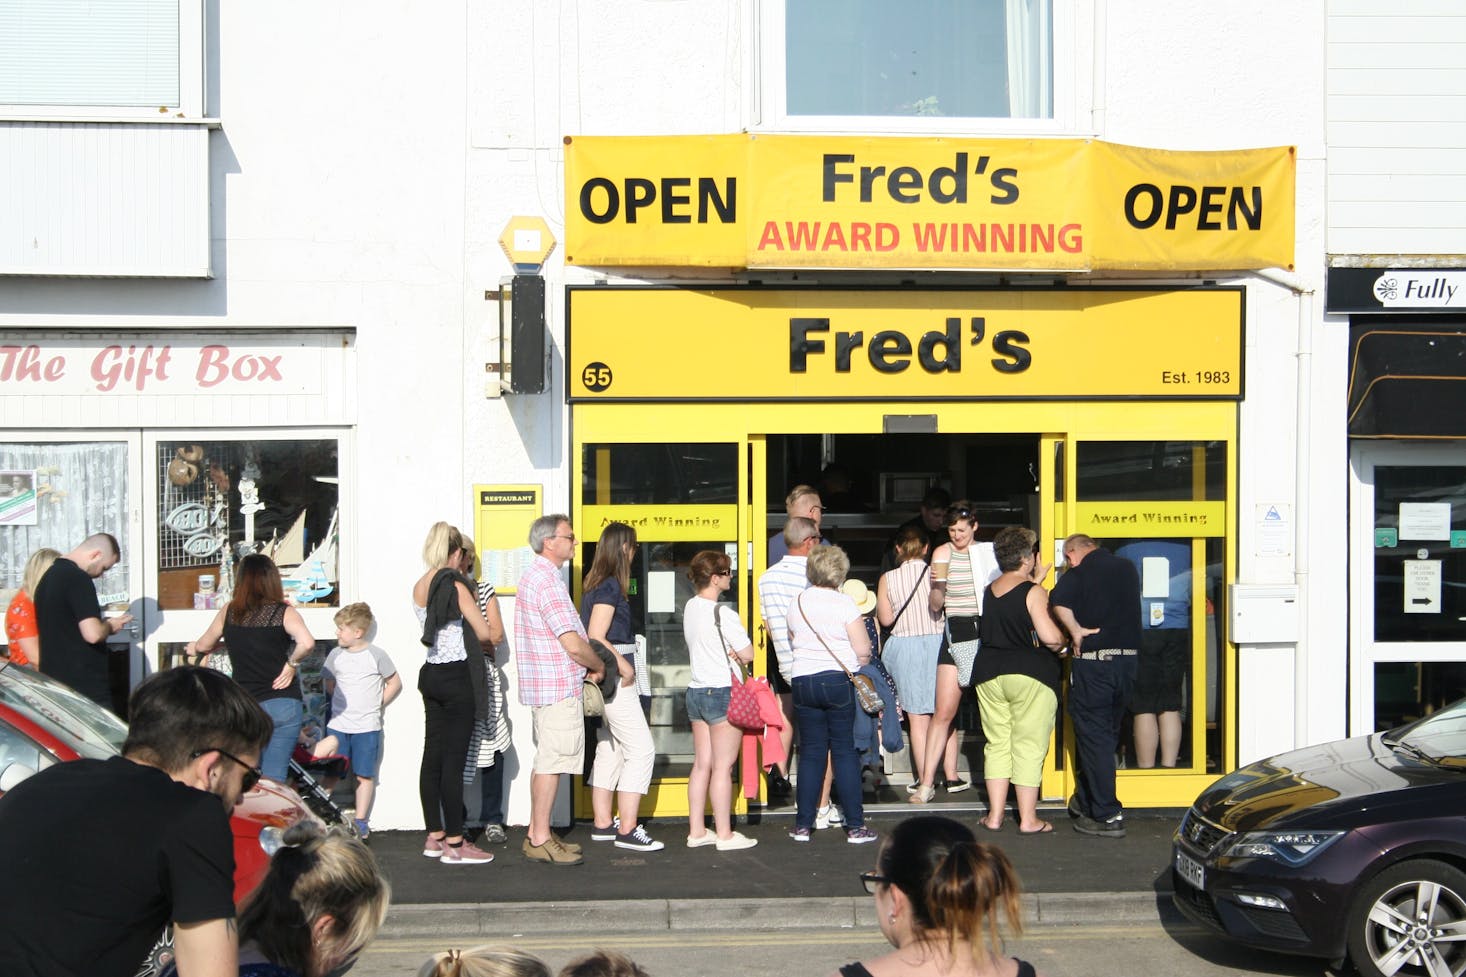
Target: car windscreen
67,714
1439,737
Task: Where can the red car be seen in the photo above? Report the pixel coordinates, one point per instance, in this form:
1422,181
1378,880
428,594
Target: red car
43,722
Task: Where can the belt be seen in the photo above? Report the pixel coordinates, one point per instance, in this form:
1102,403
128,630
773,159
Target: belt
1105,654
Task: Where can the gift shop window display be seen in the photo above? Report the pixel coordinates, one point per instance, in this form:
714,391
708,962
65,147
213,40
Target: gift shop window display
221,500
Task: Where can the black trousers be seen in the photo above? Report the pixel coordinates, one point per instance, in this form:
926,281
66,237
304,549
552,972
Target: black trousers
1099,693
447,698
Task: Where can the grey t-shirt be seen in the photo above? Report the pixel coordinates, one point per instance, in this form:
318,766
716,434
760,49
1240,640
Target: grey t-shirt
356,704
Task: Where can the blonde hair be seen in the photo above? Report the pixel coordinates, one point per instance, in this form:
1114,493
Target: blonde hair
358,615
827,566
484,961
318,873
36,567
442,542
470,551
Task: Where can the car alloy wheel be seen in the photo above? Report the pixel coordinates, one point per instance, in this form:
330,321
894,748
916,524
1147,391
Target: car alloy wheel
1411,920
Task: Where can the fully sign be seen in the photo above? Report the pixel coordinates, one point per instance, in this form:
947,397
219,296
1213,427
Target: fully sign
760,201
637,344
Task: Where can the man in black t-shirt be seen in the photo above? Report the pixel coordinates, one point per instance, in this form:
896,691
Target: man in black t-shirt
76,904
931,520
72,632
1095,601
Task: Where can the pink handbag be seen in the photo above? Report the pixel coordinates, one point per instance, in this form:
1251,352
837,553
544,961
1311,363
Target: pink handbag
743,710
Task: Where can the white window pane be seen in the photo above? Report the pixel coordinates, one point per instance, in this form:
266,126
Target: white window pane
952,58
68,52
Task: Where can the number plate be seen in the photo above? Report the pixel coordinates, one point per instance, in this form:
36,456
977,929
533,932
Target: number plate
1190,869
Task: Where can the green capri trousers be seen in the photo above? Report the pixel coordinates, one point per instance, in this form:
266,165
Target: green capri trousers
1017,718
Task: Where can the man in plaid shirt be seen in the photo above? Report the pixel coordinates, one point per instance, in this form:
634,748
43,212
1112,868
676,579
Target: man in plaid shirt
554,659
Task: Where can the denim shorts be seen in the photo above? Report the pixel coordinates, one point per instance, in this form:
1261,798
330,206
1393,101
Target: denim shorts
362,749
708,705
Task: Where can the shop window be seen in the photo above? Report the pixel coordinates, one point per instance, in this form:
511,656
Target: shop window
1420,553
659,474
121,58
929,61
1406,691
1191,471
56,495
220,500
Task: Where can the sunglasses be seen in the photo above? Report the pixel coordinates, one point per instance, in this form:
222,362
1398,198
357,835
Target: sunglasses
870,880
252,775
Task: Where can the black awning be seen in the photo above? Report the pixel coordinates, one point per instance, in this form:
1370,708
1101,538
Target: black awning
1407,380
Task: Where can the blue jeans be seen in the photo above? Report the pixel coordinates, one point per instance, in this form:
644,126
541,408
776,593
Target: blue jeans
824,714
286,715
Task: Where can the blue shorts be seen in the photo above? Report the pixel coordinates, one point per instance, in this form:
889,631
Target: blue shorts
708,705
362,749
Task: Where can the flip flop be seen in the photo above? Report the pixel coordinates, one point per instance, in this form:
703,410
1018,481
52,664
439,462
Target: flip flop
987,827
1046,829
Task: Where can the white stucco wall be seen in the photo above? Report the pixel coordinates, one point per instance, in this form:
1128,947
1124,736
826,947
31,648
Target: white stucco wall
367,165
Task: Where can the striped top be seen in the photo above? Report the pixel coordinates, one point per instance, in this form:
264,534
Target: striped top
917,618
970,571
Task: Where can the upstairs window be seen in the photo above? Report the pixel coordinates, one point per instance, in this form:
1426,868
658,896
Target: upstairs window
936,64
122,58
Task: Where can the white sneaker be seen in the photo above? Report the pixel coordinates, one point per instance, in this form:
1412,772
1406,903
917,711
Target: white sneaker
702,840
737,841
829,816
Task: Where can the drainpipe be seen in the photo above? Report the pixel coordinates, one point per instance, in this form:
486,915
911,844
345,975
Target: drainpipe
1303,353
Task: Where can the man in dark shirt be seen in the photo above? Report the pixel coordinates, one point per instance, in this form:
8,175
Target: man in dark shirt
72,632
931,520
74,909
1095,602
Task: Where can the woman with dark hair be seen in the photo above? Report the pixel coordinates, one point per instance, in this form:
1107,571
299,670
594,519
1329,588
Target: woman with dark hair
961,571
1017,680
938,894
454,690
267,640
717,644
624,748
319,905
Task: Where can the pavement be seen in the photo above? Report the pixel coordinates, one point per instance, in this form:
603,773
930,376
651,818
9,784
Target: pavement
1067,877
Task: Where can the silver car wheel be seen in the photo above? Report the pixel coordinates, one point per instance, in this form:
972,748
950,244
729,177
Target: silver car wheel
1414,922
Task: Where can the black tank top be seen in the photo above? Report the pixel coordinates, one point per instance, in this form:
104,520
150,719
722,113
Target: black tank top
1009,646
258,647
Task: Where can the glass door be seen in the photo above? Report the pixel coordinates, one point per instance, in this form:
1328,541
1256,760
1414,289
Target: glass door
681,498
1162,505
55,491
1407,581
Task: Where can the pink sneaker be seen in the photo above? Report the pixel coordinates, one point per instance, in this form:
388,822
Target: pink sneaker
465,854
432,847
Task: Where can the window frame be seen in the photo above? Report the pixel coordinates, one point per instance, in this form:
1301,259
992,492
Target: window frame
1071,84
192,97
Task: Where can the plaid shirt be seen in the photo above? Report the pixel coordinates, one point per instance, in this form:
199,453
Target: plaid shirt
542,612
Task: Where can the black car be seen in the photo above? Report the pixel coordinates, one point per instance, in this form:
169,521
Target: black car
1355,848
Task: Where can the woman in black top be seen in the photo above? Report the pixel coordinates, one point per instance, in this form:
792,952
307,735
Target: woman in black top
1017,679
938,894
267,640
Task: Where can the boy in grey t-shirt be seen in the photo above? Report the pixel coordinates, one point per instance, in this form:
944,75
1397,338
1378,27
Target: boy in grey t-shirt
361,681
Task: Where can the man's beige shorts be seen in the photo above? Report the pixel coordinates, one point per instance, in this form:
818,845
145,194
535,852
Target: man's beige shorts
559,737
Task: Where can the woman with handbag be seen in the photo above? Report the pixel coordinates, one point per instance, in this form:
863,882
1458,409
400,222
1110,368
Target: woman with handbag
961,571
903,597
827,634
1017,680
622,769
717,647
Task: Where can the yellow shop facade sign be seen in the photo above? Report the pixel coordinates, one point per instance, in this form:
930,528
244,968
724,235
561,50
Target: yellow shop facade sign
753,343
772,201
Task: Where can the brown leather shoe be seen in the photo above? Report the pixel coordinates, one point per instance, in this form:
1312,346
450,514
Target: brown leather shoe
551,852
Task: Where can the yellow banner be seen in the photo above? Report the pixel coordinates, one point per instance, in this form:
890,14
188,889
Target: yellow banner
903,344
663,523
771,201
1117,520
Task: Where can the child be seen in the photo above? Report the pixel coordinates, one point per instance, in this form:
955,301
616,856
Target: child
361,681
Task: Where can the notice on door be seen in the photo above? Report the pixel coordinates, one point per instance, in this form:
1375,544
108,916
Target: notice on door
1425,520
1422,587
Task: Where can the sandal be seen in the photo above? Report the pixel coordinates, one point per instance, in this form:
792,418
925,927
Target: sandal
1046,829
982,823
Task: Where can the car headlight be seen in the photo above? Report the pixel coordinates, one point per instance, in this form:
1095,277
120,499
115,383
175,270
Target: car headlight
272,839
1289,847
